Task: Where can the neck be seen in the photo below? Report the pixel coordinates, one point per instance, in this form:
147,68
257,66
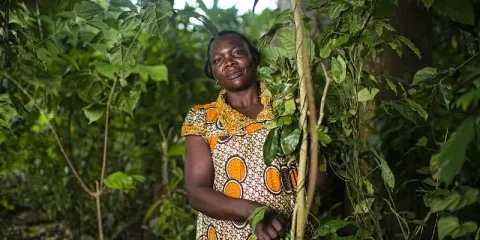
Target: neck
244,98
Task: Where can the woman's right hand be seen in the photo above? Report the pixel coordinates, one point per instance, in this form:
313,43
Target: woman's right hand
271,227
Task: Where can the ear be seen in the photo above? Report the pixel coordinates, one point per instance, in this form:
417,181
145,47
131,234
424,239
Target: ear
207,70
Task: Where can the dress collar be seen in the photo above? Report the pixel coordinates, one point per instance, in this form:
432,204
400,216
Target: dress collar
234,121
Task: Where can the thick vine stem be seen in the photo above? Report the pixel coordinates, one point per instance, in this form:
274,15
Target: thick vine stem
309,129
105,140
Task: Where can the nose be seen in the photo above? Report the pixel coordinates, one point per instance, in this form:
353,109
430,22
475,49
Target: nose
230,62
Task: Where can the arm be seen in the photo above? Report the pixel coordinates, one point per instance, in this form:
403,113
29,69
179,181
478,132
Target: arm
199,175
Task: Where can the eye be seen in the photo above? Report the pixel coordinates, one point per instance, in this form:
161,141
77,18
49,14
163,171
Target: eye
238,52
216,60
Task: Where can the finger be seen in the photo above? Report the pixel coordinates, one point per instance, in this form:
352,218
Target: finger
297,100
278,226
272,232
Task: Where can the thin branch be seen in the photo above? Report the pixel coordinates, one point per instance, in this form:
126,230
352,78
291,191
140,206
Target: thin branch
105,141
57,138
328,80
98,194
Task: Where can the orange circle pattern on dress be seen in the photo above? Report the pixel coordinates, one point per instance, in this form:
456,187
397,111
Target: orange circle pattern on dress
236,168
293,177
273,180
254,127
212,234
233,189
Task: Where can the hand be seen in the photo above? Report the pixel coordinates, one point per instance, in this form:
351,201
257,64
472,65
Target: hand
271,227
317,106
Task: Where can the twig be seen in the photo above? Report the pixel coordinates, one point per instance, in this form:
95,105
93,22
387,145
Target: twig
105,141
98,194
57,138
328,80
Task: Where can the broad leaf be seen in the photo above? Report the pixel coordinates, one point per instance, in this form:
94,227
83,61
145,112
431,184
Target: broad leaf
339,69
124,3
120,181
257,215
123,55
404,110
447,163
156,73
444,200
86,9
323,137
290,107
418,108
331,226
127,101
450,226
410,45
271,147
367,95
422,142
89,88
392,86
289,140
459,10
155,17
94,112
424,74
363,206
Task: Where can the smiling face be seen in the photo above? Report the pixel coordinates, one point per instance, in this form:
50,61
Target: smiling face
232,63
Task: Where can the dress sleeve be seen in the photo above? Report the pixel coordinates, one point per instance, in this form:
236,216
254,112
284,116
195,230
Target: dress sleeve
194,123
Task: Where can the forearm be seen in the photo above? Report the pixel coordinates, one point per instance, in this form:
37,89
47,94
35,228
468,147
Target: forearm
219,206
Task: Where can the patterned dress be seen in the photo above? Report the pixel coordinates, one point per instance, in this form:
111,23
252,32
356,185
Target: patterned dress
236,143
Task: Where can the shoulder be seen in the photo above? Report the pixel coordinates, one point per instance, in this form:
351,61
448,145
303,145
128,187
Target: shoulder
197,117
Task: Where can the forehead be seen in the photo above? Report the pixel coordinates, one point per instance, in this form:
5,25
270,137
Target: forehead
226,42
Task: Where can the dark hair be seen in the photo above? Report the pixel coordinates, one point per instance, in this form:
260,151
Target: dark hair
207,69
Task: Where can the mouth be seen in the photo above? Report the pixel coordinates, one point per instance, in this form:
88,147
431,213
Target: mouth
234,75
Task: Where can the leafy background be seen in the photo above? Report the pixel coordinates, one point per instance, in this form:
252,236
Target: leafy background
400,137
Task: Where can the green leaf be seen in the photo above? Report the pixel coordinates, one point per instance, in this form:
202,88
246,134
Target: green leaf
424,74
93,112
385,8
176,150
127,101
271,147
387,174
288,42
323,137
418,108
107,70
157,73
128,21
367,95
257,215
124,3
70,60
427,3
459,10
446,93
339,69
450,226
447,163
410,45
89,88
289,140
331,226
86,9
422,142
290,107
404,110
442,200
274,53
123,55
120,181
364,206
392,86
155,17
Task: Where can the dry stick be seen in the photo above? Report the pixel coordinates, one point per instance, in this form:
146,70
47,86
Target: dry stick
306,101
57,138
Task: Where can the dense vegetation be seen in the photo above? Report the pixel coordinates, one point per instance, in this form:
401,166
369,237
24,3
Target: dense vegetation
401,146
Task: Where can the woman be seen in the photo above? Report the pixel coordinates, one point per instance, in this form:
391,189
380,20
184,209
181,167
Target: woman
225,175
